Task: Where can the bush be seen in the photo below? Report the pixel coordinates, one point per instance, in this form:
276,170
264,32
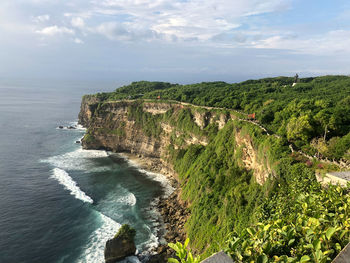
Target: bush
126,232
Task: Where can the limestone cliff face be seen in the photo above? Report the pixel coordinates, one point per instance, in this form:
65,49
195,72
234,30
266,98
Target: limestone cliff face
123,126
250,158
111,127
88,105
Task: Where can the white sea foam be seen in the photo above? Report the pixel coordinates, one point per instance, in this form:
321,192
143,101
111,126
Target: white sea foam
128,199
94,251
74,124
78,160
77,126
132,259
162,179
64,179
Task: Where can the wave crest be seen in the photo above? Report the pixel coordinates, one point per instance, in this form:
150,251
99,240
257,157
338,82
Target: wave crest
64,179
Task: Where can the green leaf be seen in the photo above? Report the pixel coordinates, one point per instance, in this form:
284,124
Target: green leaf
343,233
173,260
267,227
338,247
330,231
319,255
262,259
250,231
309,246
316,244
291,241
189,257
186,242
234,244
305,258
173,246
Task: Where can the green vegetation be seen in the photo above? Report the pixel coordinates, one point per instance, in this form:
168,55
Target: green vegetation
126,232
89,138
315,108
315,229
149,123
223,195
183,253
290,218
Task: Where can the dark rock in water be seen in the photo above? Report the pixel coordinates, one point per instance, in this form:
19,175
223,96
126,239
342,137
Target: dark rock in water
121,246
71,127
61,127
77,141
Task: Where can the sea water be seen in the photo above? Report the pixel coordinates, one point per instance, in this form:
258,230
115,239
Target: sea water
58,202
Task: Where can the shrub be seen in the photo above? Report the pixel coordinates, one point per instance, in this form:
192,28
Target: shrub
126,232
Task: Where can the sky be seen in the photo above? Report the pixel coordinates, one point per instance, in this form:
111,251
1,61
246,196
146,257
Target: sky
181,41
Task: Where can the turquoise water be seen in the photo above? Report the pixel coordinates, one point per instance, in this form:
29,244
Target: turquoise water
60,203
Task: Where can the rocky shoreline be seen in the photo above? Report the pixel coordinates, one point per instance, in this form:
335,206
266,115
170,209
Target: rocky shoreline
173,210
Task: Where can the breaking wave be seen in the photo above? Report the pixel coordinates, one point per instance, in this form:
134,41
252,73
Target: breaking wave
94,250
64,179
78,160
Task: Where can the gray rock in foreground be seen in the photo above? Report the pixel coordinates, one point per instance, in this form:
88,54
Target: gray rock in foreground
219,257
344,255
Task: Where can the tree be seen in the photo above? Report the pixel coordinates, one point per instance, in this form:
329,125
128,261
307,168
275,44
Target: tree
299,128
324,118
320,145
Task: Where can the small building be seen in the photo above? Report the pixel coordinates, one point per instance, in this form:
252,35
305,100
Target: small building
341,178
251,116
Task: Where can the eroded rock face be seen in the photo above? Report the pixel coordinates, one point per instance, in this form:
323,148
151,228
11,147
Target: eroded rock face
112,128
251,160
121,246
118,248
88,105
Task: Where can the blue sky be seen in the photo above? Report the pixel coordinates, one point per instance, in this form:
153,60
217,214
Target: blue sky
173,40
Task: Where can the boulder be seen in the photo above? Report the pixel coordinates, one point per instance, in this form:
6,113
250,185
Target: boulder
60,127
121,246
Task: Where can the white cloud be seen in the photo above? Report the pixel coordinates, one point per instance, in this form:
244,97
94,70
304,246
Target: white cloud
78,41
184,20
332,42
41,18
54,30
77,22
124,32
213,23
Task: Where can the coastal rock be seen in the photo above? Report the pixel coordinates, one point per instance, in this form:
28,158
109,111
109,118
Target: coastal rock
121,246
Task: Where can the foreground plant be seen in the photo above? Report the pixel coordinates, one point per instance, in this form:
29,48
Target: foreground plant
183,253
315,230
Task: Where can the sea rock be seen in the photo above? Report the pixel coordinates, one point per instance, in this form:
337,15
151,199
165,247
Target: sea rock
60,127
77,141
121,246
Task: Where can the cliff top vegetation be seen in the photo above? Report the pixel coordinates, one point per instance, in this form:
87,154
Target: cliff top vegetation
313,115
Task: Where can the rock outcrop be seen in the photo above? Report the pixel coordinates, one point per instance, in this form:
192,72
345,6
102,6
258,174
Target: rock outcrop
121,246
250,158
115,126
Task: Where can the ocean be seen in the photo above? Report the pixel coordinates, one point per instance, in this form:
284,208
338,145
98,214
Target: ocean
60,203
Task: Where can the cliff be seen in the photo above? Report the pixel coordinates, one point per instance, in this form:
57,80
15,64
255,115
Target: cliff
237,177
150,129
211,144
